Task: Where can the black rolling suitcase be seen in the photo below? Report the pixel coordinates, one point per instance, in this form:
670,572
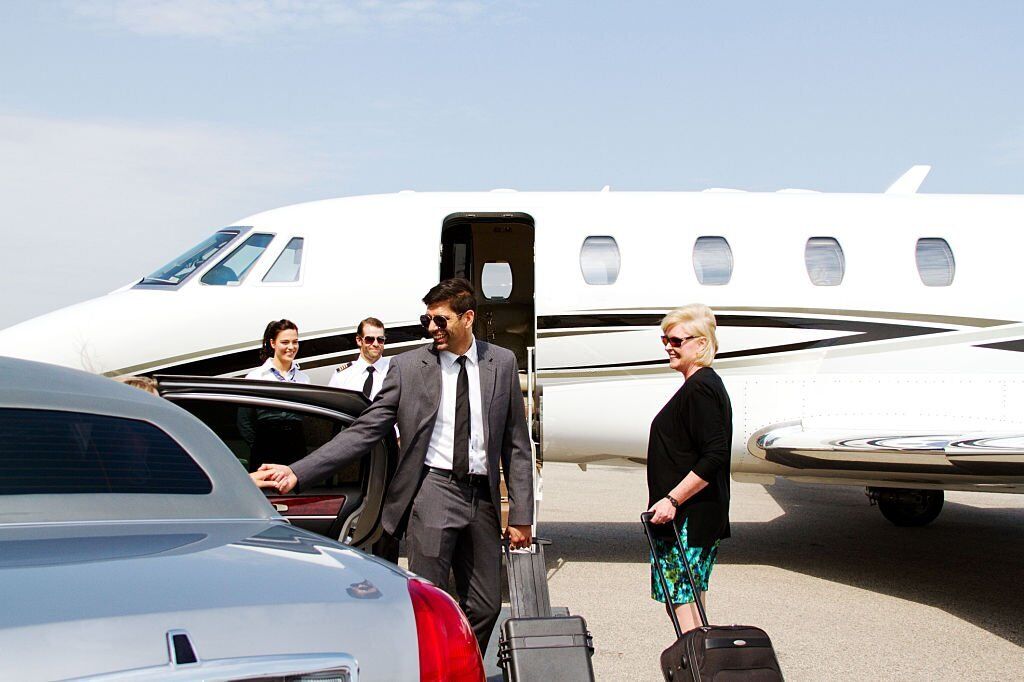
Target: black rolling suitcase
713,652
536,645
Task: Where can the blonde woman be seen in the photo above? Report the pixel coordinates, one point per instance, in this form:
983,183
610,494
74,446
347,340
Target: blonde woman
688,461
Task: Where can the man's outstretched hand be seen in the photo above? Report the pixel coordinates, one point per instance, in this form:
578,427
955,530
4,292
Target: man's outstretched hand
262,479
281,477
519,536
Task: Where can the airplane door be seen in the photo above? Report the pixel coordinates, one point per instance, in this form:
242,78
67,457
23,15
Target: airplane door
494,251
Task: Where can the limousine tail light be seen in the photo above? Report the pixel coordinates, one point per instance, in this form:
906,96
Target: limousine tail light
448,648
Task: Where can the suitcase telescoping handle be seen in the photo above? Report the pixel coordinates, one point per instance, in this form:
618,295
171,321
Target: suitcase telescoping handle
645,519
527,580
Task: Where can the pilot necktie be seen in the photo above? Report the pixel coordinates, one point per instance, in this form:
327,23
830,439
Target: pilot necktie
368,384
460,450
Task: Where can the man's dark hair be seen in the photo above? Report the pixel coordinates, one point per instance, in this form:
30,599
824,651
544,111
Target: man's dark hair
372,321
457,292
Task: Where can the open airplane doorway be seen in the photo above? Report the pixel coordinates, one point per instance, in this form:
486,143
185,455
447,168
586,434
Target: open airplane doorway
494,251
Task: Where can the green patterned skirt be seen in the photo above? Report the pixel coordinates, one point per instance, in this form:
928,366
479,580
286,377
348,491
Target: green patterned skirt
702,560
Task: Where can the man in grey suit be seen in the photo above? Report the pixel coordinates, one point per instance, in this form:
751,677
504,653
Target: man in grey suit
459,408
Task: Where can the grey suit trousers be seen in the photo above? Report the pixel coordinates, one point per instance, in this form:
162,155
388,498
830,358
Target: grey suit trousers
455,527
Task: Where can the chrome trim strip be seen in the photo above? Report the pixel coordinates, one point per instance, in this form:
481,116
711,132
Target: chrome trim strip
242,668
263,402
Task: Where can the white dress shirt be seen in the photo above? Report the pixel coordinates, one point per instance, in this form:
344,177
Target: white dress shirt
442,440
267,372
354,376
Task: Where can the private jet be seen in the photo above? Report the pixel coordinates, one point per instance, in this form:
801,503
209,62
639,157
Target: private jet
866,339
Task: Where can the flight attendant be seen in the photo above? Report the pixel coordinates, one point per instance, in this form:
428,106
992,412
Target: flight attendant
275,433
688,455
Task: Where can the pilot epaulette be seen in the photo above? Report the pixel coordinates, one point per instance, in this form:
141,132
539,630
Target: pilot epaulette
342,367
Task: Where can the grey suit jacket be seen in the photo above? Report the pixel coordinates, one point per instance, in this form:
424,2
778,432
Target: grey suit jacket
411,397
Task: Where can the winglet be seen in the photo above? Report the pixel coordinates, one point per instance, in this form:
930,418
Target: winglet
910,181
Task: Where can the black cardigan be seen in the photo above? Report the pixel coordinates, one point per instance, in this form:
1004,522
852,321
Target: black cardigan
693,432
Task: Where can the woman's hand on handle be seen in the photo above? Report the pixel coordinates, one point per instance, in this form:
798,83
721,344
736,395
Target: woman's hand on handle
663,511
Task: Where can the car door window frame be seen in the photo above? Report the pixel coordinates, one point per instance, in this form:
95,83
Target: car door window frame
375,464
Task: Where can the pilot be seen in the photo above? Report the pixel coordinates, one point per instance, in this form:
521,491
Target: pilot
366,374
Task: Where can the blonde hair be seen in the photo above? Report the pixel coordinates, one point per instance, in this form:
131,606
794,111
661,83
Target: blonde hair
146,384
700,322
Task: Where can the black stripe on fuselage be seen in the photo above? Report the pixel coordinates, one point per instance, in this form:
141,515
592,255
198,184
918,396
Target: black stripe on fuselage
856,332
326,345
1016,345
553,326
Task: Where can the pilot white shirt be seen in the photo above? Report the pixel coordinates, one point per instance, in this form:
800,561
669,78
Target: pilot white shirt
267,372
354,376
442,440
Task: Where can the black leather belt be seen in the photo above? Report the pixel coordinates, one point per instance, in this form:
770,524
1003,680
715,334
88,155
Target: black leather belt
470,479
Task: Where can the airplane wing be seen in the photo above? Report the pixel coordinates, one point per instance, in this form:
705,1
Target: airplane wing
884,449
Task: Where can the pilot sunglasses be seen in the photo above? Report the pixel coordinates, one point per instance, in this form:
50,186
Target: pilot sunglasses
374,339
439,320
675,341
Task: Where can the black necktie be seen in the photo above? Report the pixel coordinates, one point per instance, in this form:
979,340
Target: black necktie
368,384
460,451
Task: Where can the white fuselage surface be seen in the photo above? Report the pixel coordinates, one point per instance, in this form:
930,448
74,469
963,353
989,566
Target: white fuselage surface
870,339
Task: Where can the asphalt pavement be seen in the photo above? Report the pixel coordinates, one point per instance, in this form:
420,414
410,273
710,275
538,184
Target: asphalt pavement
843,594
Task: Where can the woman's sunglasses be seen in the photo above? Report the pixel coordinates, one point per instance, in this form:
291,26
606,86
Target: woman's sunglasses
675,341
439,321
374,339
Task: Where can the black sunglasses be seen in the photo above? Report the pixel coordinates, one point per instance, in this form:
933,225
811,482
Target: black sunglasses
439,320
675,341
374,339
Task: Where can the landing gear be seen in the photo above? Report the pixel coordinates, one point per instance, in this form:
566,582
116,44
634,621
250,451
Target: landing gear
907,506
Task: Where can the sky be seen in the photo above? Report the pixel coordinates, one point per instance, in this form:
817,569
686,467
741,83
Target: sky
130,130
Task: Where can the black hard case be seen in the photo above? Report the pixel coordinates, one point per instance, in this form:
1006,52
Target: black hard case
713,652
536,645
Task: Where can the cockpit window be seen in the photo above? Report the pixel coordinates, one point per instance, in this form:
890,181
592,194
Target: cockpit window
184,265
287,266
232,269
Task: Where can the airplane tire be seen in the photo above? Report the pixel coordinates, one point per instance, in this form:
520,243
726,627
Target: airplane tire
910,508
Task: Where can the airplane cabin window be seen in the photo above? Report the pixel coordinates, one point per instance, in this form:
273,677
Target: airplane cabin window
287,266
825,261
600,260
184,265
233,269
935,263
496,281
712,260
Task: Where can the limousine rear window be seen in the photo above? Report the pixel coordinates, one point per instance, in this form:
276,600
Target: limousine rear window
52,452
178,270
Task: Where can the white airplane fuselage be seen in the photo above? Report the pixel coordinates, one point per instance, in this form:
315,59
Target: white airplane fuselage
878,380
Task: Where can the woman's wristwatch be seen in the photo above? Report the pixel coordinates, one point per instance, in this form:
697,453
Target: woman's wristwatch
671,500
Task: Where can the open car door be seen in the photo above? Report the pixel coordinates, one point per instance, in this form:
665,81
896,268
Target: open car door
291,420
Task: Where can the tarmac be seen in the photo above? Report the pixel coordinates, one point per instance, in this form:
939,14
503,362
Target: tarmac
844,594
